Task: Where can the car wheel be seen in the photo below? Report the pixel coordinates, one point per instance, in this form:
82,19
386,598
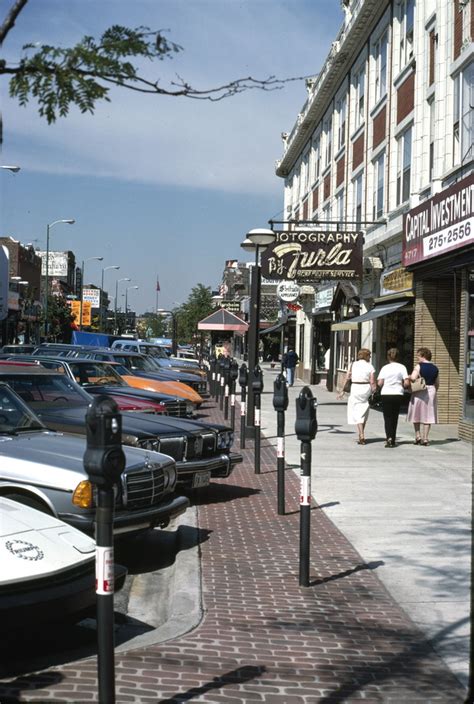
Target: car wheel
30,501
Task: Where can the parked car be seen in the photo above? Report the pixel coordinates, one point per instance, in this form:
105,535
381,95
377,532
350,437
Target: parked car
201,450
48,569
156,351
100,377
17,349
144,366
44,469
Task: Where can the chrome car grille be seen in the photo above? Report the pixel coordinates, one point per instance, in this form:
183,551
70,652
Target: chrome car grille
144,487
209,444
176,408
194,447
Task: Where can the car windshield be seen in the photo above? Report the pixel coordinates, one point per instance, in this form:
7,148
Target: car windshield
143,363
44,391
97,373
15,416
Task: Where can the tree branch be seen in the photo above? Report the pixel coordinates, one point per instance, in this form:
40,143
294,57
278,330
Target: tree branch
9,21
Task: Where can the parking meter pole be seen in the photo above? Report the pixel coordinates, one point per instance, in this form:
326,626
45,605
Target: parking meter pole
280,404
305,513
257,432
257,386
212,375
306,427
104,462
243,381
234,373
227,365
105,595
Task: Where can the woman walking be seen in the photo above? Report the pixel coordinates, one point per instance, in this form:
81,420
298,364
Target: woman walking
422,410
362,375
392,379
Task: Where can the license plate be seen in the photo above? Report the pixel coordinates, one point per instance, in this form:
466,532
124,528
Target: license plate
202,479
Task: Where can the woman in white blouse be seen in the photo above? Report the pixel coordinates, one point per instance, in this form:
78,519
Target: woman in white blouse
362,375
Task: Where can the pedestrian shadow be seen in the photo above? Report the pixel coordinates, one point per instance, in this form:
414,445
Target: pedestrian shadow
347,573
238,676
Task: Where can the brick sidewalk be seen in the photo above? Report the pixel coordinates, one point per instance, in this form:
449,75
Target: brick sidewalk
263,638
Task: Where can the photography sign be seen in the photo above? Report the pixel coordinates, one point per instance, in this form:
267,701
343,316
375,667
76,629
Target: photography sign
311,255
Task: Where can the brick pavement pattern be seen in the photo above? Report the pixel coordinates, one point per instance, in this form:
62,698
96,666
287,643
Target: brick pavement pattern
263,638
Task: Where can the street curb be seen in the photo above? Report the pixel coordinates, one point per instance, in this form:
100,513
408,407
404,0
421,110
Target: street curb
175,607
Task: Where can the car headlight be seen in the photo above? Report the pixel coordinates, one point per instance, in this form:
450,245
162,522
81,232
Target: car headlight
225,440
189,407
169,476
150,444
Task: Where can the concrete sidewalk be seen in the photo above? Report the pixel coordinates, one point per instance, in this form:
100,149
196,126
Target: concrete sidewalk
406,507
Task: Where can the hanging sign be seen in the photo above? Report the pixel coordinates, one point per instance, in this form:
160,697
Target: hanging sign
288,291
311,255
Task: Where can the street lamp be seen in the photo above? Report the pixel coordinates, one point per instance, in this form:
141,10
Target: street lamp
89,259
69,221
256,241
101,313
116,299
126,298
174,336
8,167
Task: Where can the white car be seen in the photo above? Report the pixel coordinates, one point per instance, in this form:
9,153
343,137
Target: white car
48,568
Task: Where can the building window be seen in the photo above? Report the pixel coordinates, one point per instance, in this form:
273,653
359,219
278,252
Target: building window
341,109
328,133
404,166
432,137
305,173
463,127
317,158
341,216
381,66
360,97
357,199
379,176
407,11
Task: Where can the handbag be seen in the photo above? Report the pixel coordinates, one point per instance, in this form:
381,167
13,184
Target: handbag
418,385
347,386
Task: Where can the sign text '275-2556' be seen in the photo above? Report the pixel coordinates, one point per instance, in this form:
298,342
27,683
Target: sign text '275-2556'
311,255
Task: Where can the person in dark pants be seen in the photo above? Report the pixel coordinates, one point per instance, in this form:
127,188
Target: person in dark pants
392,379
290,360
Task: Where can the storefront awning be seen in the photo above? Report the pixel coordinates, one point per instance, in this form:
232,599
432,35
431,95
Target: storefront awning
376,312
275,328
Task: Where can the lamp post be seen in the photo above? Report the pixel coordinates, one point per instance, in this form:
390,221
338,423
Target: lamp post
174,338
256,241
89,259
8,167
68,221
116,299
126,300
101,312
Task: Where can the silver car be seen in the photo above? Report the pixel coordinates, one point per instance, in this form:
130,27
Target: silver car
44,469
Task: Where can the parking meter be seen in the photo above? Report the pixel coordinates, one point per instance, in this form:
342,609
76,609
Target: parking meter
280,394
306,427
243,381
257,380
280,404
104,462
234,373
104,459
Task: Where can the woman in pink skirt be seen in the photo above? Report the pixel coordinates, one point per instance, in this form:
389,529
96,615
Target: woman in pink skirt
422,411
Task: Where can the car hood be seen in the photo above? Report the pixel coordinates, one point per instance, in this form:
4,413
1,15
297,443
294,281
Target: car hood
32,456
33,544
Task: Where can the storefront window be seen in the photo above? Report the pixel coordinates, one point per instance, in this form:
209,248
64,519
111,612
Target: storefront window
470,351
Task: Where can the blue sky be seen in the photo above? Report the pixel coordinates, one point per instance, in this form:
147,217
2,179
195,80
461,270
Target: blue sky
162,187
